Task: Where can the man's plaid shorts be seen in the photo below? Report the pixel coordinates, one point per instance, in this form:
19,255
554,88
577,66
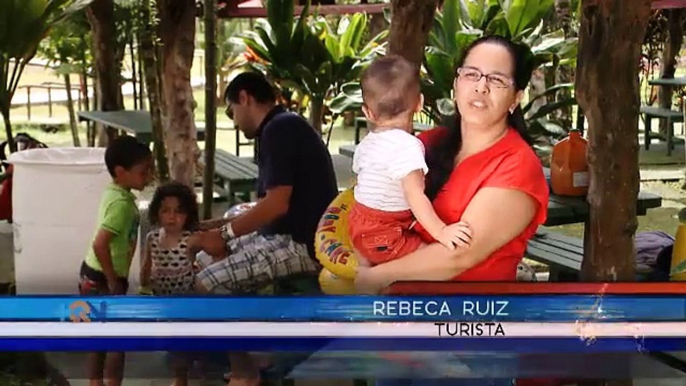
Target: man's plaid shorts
254,261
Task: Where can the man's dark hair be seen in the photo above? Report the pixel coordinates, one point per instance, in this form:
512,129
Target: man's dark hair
253,83
126,152
187,204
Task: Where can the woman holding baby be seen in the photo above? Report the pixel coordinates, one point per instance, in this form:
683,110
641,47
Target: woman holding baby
483,173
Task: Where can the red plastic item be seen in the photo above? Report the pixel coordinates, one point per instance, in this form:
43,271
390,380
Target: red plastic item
568,166
6,197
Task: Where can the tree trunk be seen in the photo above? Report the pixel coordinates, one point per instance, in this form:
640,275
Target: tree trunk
142,6
72,115
411,23
147,51
675,37
222,56
8,131
134,76
210,105
177,29
107,68
607,87
537,86
316,113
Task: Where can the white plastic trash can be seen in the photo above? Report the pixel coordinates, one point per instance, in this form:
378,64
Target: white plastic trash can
55,198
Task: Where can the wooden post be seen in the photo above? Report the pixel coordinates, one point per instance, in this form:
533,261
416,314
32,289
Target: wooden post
210,105
411,23
607,88
28,103
72,116
50,101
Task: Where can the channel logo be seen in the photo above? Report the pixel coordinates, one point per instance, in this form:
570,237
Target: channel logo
81,311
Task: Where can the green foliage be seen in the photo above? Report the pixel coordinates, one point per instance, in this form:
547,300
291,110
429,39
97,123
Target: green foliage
307,53
457,25
23,24
461,22
68,45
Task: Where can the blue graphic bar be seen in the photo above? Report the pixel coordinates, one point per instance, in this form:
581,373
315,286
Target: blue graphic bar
299,344
543,308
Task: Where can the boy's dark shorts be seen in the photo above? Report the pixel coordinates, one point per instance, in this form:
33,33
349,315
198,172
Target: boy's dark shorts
93,282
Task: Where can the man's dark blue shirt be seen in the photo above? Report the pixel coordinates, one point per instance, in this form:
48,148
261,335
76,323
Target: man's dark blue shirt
291,153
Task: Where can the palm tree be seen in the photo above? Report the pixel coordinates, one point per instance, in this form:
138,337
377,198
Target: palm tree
23,24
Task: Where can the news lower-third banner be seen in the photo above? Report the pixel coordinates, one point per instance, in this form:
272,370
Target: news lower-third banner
344,309
515,323
488,337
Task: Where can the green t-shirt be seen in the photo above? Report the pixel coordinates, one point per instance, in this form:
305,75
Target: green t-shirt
119,215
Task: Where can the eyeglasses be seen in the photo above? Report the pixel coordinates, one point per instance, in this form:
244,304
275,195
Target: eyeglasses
474,75
229,112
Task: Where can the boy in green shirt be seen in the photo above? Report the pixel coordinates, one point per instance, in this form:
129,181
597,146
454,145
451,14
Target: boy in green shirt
105,270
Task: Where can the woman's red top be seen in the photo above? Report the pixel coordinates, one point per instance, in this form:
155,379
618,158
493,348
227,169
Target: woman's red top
509,163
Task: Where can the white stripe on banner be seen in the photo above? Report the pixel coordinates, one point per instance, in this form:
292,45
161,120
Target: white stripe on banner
339,330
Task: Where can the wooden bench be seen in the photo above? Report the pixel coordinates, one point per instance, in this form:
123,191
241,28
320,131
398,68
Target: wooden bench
562,254
671,116
234,176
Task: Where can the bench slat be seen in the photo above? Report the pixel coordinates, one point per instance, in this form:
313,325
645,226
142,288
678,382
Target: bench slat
234,168
564,242
240,163
549,255
556,250
233,174
675,116
233,171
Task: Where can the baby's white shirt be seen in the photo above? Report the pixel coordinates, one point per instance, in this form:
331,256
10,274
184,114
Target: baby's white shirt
380,162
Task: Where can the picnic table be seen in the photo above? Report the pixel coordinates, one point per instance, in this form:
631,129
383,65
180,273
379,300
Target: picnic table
681,81
135,122
234,177
662,113
563,254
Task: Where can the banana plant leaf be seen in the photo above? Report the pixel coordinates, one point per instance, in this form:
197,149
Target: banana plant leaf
552,106
23,24
349,99
310,53
523,14
550,91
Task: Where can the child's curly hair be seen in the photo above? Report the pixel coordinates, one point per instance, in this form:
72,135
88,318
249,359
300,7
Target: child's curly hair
187,203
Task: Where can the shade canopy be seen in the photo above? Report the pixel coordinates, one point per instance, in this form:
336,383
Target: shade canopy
228,9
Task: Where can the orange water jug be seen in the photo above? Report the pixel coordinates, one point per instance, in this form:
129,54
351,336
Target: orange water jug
678,272
568,166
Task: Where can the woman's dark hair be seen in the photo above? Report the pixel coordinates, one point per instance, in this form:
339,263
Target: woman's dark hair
187,203
441,155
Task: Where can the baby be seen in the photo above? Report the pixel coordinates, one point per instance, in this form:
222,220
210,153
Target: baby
390,168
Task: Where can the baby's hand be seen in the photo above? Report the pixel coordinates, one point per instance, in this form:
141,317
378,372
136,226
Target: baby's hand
455,235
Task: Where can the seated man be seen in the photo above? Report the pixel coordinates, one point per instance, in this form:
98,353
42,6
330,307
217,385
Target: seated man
295,185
